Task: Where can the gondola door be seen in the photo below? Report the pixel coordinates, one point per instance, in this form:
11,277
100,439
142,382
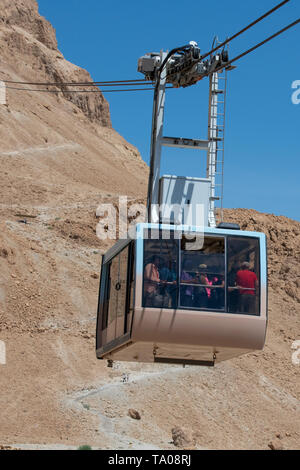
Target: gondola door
114,298
121,307
113,294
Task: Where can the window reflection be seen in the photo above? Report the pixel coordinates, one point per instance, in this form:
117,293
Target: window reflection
160,273
115,301
190,273
203,274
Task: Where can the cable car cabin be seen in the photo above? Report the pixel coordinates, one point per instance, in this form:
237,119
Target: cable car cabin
178,295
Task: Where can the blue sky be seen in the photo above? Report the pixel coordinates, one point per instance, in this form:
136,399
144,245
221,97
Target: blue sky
262,151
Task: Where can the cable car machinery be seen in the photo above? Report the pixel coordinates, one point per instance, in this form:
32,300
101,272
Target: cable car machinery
204,314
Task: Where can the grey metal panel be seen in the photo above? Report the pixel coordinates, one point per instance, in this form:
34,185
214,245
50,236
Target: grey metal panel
205,328
183,143
184,193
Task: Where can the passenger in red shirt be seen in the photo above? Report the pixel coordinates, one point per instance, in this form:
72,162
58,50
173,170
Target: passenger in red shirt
248,283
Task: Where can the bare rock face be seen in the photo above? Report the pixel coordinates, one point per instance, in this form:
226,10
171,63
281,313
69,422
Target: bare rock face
28,46
180,437
134,414
275,445
24,13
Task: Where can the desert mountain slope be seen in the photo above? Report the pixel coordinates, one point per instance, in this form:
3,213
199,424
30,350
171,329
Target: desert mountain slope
60,158
50,142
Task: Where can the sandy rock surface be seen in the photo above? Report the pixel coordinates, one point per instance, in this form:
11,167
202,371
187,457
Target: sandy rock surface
60,159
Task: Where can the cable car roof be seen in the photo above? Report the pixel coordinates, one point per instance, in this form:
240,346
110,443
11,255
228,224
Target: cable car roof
192,228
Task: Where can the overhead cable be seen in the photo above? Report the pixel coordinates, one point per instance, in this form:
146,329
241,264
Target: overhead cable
244,29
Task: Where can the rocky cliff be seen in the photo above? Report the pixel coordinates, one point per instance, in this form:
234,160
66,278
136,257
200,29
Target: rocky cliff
30,40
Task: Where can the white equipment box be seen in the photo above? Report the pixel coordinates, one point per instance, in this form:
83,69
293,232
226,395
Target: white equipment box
184,200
